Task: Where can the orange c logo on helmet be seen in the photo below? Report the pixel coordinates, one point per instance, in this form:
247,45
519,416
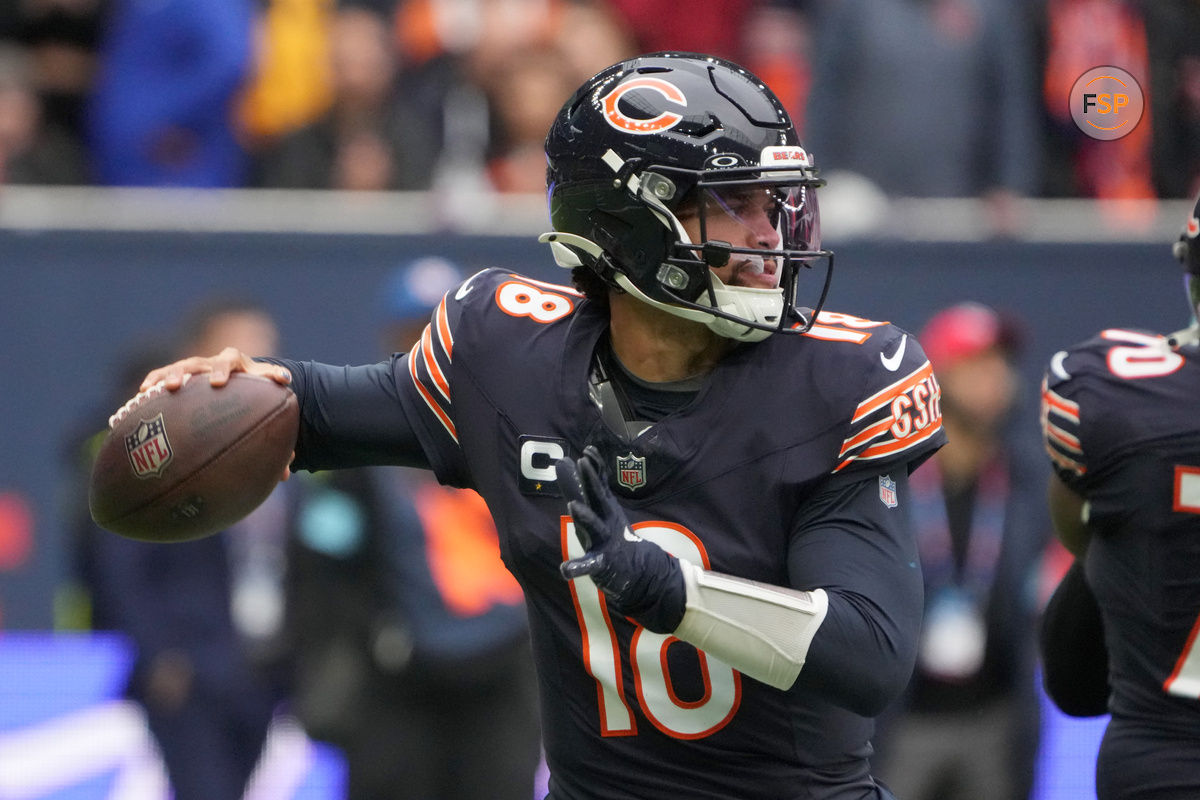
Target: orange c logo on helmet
664,121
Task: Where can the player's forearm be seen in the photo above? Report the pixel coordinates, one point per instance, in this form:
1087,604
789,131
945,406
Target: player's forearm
350,417
1072,646
863,658
862,551
768,632
1068,513
760,630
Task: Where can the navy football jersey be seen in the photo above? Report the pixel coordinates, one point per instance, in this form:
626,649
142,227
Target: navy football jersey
1121,424
788,467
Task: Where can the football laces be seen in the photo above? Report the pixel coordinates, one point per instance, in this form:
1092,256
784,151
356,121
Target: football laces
139,398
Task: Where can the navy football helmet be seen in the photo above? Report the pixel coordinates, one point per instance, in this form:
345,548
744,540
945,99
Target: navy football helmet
654,134
1187,251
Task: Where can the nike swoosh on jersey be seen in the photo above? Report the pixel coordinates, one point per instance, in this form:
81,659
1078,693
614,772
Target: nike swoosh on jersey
465,289
892,363
1056,365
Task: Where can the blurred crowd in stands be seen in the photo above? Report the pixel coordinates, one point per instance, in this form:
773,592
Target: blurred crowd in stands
937,98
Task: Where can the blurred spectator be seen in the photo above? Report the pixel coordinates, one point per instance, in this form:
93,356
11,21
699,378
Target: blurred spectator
32,150
927,98
449,48
968,724
62,37
1159,44
413,646
525,92
456,56
769,37
1173,41
10,20
525,87
591,36
291,85
366,140
777,45
712,27
204,617
1083,34
163,109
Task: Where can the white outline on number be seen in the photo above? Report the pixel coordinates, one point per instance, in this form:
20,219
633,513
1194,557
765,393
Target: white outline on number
676,718
1150,356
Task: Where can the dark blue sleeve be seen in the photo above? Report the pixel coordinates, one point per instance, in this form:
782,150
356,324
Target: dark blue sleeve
862,552
1073,650
352,416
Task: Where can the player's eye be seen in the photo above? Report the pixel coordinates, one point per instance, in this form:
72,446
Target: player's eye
774,207
735,202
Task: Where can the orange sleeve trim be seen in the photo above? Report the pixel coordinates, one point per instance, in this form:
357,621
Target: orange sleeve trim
431,401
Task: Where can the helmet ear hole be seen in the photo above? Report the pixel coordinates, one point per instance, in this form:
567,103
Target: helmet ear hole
613,234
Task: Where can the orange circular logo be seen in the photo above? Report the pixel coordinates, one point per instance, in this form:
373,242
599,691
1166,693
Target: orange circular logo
661,122
1106,103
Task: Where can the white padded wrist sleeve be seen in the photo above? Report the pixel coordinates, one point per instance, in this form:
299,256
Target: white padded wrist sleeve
760,630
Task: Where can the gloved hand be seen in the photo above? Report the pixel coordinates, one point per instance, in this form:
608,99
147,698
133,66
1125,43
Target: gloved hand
639,578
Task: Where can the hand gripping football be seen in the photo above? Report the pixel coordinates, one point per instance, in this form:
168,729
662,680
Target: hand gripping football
185,464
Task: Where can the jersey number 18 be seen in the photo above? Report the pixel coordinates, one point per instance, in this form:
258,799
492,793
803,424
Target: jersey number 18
674,716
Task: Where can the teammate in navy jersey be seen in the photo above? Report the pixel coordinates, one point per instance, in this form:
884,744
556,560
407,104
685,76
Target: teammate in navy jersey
1118,414
697,481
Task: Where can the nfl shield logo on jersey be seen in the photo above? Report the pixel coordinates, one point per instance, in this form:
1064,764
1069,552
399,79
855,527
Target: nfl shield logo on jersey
631,471
887,491
149,449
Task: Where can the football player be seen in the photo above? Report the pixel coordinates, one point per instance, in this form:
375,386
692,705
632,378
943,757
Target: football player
697,480
1121,630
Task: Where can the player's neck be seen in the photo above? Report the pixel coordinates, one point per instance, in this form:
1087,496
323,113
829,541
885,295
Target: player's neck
966,452
656,346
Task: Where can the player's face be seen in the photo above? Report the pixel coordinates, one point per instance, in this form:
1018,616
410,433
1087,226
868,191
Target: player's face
251,332
980,389
745,217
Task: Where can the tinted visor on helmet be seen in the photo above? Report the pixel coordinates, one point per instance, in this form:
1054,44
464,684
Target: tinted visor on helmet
782,218
775,236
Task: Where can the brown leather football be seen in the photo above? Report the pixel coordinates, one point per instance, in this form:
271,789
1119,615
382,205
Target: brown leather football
186,464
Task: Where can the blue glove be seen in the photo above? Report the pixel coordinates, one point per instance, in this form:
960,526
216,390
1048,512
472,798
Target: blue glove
639,578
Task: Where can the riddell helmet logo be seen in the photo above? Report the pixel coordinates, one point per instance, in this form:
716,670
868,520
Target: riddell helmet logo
664,121
1193,227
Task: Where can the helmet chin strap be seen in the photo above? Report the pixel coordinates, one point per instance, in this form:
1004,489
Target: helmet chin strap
564,245
1189,336
763,306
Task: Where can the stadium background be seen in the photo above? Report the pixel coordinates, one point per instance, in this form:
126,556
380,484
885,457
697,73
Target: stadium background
85,274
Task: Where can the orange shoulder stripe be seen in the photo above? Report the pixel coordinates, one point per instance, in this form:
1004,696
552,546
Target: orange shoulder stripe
889,393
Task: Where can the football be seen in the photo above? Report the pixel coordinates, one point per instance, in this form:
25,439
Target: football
185,464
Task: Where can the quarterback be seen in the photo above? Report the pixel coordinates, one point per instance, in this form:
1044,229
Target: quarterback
698,481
